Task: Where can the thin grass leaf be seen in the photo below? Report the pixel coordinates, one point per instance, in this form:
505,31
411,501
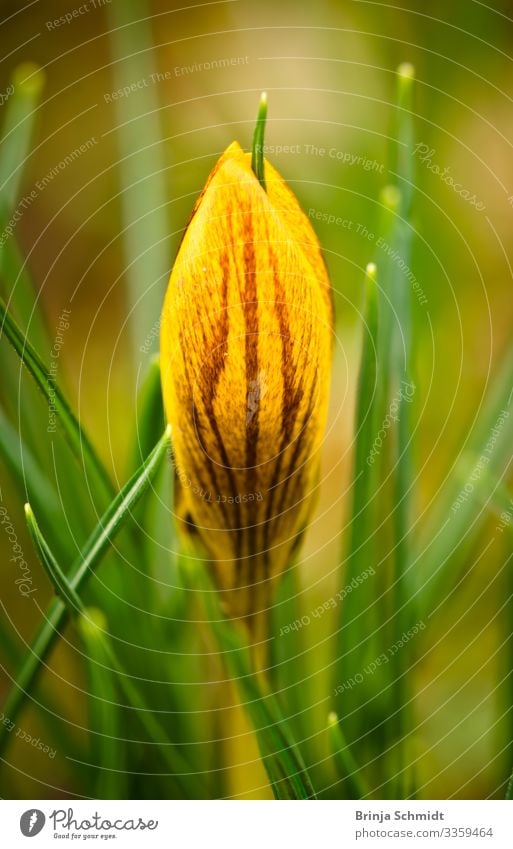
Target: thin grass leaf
57,577
9,647
80,445
26,472
287,656
257,150
150,419
96,546
390,199
191,783
491,493
405,135
100,677
509,789
281,757
24,405
504,506
454,522
27,84
20,292
153,515
365,418
279,751
387,480
401,376
105,714
347,766
361,553
17,285
142,168
17,130
77,610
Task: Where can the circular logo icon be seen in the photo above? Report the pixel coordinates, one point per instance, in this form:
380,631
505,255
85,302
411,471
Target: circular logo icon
31,822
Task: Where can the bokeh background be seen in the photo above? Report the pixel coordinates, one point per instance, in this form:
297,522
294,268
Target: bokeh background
99,240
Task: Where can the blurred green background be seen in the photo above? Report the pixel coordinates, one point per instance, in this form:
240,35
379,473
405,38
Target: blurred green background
99,240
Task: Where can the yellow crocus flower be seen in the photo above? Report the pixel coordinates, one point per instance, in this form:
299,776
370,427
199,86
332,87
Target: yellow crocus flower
246,339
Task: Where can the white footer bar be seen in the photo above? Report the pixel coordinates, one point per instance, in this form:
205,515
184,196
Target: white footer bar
257,825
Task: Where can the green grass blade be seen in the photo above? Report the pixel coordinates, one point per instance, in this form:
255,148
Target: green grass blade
453,523
390,202
357,607
119,510
17,285
348,768
405,135
285,766
273,731
509,790
105,720
76,609
192,783
100,678
494,495
153,515
401,377
289,659
150,419
20,292
279,751
17,131
142,167
79,442
32,484
10,648
365,419
257,151
27,84
96,546
26,471
57,577
386,480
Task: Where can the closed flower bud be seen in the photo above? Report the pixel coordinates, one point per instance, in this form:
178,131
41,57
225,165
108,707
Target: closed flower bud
246,338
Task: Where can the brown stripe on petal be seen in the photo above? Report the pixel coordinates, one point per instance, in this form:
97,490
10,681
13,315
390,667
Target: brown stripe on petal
209,380
294,464
292,397
299,446
229,471
253,388
219,366
207,466
251,347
